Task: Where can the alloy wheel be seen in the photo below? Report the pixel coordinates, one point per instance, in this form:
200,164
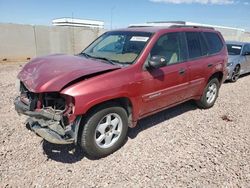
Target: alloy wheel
108,130
236,74
211,93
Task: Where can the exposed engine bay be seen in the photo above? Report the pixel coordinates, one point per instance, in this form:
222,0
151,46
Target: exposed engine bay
50,114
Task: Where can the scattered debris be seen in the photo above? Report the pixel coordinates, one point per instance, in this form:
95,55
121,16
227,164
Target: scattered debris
226,118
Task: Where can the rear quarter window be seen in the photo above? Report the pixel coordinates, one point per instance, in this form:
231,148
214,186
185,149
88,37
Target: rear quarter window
214,42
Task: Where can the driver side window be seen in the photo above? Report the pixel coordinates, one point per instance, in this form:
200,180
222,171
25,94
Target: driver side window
169,47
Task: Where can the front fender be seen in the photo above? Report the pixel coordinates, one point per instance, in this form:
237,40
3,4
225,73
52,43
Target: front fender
86,96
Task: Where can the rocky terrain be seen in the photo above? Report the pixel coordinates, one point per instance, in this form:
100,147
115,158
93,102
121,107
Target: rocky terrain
179,147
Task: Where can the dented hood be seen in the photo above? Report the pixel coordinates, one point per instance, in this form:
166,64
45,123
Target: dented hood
52,73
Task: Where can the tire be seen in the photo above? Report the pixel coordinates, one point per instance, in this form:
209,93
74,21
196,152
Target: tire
236,74
105,131
207,100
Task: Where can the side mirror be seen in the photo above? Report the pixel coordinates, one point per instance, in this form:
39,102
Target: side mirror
156,62
246,53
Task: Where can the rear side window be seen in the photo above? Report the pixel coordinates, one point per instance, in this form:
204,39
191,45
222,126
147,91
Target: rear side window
204,47
193,43
214,42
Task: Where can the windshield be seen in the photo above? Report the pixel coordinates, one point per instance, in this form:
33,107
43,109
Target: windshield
118,47
234,49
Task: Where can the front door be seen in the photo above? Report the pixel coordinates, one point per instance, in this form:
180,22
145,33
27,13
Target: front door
165,86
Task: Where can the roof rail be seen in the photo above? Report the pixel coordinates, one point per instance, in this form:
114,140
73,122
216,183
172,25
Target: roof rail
169,25
131,26
152,24
171,22
191,26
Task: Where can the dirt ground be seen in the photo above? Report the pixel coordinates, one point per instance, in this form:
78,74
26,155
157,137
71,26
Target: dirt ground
179,147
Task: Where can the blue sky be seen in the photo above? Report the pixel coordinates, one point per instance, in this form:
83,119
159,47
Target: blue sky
234,13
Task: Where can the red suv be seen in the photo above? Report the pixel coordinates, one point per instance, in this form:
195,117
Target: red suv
92,98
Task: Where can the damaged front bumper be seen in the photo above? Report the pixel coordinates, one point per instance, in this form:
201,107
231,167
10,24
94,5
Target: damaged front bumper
48,124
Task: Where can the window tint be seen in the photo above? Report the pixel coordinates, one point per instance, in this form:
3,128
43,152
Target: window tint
110,44
234,49
214,42
170,47
246,48
194,46
119,47
204,47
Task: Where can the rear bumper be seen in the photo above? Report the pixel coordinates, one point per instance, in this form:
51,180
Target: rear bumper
47,124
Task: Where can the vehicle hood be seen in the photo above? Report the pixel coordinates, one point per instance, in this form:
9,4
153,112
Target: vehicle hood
52,73
233,58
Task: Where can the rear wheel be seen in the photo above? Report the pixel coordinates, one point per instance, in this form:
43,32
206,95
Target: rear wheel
236,74
105,131
210,94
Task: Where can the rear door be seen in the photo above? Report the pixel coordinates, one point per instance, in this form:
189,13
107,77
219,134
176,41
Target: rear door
197,61
167,85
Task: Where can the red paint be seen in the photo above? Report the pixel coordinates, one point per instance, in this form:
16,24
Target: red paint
148,91
52,73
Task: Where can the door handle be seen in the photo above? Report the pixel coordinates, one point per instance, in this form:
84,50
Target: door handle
210,65
182,71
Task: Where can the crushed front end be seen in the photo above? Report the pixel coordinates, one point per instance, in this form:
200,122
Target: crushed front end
50,115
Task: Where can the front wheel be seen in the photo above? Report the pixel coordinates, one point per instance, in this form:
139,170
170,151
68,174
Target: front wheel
210,94
105,131
236,74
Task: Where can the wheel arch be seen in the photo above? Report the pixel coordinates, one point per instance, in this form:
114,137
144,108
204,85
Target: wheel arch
124,102
218,75
238,64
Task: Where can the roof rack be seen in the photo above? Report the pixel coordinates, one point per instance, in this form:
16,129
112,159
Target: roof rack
131,26
191,26
158,24
172,24
169,22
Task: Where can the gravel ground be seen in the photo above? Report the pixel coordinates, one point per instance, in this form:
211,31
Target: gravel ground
180,147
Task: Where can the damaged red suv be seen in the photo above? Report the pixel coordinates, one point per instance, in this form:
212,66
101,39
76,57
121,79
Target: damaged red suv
92,98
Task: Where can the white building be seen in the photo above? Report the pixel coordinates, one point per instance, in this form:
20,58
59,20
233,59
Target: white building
78,23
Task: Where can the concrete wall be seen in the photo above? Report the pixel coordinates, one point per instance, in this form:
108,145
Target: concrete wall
245,37
20,42
234,35
17,42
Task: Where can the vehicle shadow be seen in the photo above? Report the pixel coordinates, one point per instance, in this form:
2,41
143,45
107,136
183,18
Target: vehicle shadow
160,117
63,153
71,153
